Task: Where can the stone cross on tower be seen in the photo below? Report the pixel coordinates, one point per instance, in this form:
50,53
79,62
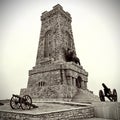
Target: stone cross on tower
54,76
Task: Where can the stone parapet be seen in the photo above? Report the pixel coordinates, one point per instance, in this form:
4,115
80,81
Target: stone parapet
57,66
71,114
57,8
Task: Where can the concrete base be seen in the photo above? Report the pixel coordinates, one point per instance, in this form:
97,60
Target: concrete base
108,110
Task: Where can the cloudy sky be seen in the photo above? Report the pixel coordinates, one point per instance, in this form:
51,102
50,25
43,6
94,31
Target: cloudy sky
96,31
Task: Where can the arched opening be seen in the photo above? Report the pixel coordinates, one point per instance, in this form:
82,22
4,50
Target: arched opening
48,43
78,82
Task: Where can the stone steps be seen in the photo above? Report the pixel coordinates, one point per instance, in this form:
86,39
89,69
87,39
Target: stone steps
85,96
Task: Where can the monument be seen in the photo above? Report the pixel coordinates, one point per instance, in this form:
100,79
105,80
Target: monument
57,73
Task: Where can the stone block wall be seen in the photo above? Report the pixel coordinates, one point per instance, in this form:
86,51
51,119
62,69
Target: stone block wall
51,92
107,110
72,114
55,80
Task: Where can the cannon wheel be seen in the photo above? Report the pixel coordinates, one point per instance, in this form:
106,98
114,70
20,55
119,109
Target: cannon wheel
114,95
26,102
15,102
101,95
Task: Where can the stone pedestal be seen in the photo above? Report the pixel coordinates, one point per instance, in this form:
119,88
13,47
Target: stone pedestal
55,80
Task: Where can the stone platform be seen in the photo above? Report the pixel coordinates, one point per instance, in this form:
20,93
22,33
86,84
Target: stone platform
61,110
48,111
107,110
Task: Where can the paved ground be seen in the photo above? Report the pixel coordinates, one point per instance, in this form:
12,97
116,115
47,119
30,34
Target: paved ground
43,108
48,107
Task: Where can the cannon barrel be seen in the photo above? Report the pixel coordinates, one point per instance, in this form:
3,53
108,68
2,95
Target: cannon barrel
17,96
105,87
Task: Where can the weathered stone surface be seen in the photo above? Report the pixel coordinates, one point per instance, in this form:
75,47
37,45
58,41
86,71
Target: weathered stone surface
85,96
53,76
108,110
59,81
72,114
56,34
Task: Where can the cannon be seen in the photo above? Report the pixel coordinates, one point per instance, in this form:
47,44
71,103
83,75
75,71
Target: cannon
24,102
111,95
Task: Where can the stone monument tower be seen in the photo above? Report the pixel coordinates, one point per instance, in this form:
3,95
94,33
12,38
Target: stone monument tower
54,76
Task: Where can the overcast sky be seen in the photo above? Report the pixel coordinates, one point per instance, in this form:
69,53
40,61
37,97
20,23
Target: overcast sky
96,32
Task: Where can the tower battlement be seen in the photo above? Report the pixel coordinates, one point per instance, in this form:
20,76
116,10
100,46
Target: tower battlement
56,9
